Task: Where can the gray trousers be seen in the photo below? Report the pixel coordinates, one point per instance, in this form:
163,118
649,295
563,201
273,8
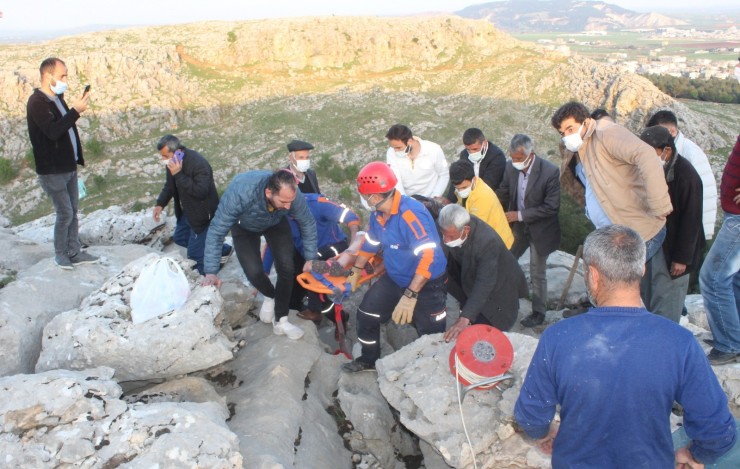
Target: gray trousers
537,272
62,188
662,294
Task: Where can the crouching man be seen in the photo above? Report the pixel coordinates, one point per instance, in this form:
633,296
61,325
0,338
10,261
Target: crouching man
484,276
615,373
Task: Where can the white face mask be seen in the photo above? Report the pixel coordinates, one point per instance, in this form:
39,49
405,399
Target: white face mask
456,243
366,204
302,165
477,156
574,141
403,153
59,88
464,193
521,166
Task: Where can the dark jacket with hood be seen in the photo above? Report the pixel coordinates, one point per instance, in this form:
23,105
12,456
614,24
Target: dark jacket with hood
491,168
48,130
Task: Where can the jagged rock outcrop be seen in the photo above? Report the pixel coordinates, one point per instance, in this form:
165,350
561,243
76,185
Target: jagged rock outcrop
559,264
112,226
416,381
100,332
42,291
67,418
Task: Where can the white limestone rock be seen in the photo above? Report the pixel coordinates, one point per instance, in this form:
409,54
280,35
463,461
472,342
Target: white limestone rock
65,418
100,333
105,227
42,291
20,253
697,313
417,382
186,389
559,264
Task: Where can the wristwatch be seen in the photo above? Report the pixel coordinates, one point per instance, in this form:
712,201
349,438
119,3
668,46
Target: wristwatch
410,294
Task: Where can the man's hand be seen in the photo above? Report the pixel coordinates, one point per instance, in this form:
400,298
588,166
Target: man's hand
308,266
174,166
456,329
677,269
511,217
685,460
545,444
404,311
81,104
156,213
354,277
211,279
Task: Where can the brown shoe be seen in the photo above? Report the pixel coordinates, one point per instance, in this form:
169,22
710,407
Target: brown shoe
309,315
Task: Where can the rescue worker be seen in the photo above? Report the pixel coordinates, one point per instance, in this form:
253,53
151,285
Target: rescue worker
413,287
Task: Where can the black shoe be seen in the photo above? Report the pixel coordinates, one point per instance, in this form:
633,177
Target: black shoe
722,358
534,319
355,366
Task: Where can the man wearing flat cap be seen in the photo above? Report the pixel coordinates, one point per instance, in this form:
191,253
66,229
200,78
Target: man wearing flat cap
300,165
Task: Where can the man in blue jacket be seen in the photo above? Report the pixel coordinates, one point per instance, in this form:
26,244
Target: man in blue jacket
616,372
57,150
256,204
413,288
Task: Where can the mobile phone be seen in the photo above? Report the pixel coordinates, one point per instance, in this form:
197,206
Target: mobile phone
178,155
87,90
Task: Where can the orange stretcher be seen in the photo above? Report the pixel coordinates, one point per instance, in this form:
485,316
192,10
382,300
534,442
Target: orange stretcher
337,289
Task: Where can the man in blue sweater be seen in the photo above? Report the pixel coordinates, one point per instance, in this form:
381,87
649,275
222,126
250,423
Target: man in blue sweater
616,371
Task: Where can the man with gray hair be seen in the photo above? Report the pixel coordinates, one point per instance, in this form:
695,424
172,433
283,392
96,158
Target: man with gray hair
530,195
189,181
482,274
616,371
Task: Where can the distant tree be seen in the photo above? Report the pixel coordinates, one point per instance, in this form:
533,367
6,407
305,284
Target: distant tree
711,90
231,37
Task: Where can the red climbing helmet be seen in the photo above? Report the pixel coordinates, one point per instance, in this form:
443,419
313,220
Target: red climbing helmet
376,178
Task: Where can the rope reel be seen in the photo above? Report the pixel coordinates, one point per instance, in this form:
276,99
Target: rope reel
481,353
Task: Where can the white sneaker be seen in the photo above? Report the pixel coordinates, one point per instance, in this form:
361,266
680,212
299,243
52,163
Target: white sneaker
284,327
267,311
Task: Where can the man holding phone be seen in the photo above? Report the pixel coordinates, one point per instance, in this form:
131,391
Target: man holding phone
57,150
189,181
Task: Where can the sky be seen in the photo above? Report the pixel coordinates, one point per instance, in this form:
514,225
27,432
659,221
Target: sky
49,15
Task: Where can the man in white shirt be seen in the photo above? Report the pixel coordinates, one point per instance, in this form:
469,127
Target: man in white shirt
419,165
698,160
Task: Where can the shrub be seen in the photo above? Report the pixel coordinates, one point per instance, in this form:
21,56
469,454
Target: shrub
231,37
99,182
574,225
94,147
7,171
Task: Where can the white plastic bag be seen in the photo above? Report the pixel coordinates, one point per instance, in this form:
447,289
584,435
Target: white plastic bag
161,287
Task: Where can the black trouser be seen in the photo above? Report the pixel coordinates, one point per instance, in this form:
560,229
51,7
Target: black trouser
247,248
381,299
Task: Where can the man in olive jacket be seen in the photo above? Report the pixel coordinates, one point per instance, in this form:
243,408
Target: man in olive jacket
190,183
482,274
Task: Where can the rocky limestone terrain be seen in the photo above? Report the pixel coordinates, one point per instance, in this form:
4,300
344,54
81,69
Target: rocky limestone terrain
210,386
238,91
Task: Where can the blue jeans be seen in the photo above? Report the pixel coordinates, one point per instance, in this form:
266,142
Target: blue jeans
653,244
194,242
63,191
720,285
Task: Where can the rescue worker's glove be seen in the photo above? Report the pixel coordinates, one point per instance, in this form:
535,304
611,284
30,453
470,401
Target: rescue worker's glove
404,311
354,277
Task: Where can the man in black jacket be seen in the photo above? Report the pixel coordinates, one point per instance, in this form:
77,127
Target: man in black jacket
482,274
666,278
487,159
530,195
190,182
57,151
299,155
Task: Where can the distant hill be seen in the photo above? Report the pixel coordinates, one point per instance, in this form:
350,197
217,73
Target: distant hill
564,15
239,91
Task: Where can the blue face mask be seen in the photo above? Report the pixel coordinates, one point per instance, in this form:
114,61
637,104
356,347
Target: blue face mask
59,88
